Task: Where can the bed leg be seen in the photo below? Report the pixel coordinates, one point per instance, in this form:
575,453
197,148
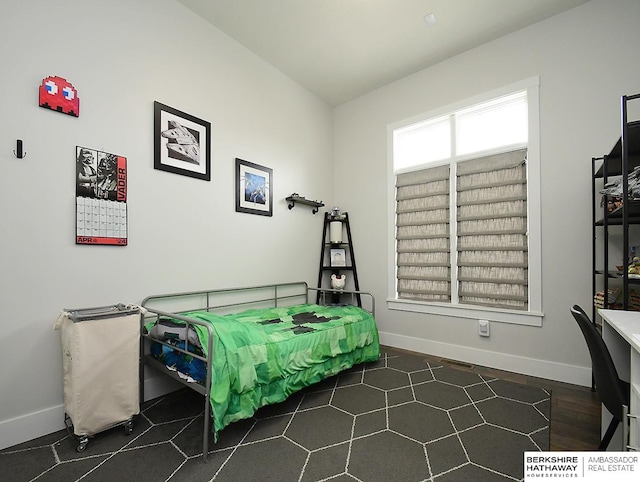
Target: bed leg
141,364
207,401
205,435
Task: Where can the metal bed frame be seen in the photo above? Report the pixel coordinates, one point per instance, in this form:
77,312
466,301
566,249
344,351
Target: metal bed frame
224,301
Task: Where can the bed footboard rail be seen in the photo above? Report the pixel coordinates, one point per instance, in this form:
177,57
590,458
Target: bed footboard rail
326,295
154,315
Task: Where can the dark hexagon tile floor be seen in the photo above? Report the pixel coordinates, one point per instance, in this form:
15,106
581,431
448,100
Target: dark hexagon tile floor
358,399
396,419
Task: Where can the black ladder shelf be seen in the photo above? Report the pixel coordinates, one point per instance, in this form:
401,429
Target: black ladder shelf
336,256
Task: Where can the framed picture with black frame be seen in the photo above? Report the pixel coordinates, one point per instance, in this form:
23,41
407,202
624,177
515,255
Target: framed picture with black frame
182,143
254,188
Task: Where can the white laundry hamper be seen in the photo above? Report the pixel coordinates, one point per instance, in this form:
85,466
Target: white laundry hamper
101,363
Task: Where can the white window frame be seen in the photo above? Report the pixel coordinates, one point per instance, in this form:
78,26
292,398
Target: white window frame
534,315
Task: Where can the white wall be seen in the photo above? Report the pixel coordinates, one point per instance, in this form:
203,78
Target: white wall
586,59
183,233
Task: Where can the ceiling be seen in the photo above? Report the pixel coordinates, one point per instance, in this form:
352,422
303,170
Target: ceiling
341,49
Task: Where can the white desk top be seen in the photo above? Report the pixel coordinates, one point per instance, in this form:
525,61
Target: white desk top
626,323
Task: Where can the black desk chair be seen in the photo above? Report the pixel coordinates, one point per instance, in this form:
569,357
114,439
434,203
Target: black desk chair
613,392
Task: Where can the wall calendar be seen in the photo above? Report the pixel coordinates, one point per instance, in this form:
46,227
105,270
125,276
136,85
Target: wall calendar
101,198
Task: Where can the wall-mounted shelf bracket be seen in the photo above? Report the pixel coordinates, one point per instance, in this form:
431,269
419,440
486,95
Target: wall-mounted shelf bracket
296,198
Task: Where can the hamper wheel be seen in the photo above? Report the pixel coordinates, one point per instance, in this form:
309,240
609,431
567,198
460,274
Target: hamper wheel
128,428
82,445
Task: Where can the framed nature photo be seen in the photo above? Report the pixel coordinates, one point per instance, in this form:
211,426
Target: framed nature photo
182,143
254,186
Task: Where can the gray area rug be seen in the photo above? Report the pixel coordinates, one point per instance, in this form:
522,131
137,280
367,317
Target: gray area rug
399,419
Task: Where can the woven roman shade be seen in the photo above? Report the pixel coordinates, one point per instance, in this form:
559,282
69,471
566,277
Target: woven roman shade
492,243
422,235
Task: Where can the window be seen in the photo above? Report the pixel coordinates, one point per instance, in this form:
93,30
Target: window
465,209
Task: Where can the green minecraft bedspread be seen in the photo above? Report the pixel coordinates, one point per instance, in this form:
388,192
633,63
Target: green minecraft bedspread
263,356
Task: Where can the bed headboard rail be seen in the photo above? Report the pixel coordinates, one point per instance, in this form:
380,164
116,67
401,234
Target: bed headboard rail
228,300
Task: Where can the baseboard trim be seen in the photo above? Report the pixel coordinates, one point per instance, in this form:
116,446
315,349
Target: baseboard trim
37,424
27,427
501,361
159,385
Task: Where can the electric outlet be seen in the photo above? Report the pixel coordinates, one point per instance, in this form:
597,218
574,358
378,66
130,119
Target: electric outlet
483,328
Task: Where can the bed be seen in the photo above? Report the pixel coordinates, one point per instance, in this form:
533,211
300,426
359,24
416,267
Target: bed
244,348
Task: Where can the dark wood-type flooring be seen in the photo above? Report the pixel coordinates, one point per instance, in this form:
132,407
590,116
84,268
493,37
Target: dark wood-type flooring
575,410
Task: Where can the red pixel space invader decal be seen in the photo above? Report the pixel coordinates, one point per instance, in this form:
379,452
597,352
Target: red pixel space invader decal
59,95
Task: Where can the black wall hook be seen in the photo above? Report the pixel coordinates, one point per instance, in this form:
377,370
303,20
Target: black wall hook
19,153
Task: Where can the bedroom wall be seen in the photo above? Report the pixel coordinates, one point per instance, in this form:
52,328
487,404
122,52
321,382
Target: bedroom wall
184,233
586,59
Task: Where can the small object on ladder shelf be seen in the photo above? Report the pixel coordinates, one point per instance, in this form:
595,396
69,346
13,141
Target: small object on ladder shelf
296,198
335,225
337,282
